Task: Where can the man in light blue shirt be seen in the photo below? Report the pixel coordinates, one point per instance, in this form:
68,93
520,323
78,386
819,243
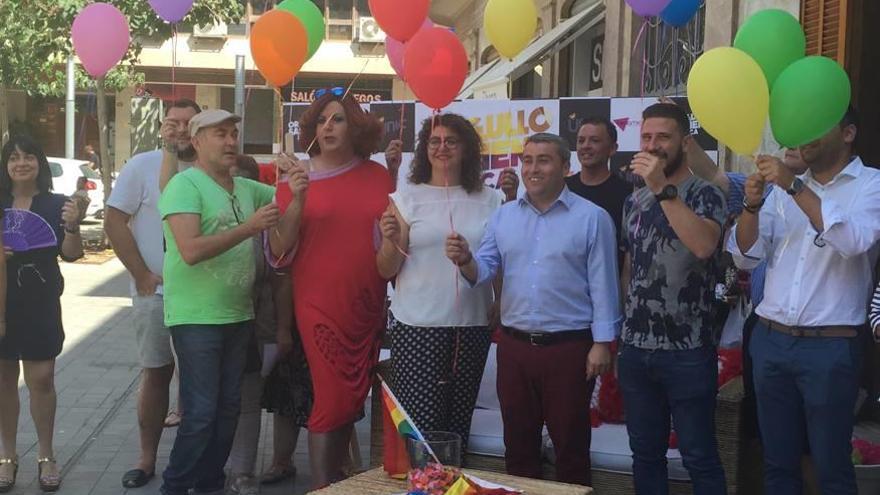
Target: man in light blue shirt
560,310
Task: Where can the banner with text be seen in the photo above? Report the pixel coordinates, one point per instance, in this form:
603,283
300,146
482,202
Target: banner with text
505,124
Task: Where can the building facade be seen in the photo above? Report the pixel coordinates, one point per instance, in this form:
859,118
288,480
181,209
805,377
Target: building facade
601,48
581,48
200,64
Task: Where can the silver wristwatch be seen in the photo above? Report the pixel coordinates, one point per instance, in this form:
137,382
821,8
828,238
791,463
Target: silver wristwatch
796,187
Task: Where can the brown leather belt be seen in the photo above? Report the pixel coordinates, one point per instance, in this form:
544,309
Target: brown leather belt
828,331
548,338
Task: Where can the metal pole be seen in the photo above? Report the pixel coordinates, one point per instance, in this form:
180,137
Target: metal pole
70,111
239,97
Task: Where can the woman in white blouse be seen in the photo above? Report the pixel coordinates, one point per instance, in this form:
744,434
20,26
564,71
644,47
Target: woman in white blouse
439,331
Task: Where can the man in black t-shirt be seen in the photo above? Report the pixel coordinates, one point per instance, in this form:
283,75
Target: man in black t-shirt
596,143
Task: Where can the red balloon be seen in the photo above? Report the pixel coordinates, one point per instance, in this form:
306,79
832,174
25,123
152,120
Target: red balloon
436,66
400,19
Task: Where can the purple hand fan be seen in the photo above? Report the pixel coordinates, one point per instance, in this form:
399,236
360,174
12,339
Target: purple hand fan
24,230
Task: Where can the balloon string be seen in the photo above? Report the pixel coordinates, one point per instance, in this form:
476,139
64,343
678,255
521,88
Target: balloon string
279,131
402,78
644,54
639,37
659,51
510,149
400,137
173,61
86,115
675,62
644,69
455,268
448,201
456,351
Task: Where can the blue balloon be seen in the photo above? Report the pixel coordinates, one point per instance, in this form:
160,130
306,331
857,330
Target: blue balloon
680,12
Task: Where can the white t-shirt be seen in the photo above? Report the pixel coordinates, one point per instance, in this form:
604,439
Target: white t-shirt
425,293
136,193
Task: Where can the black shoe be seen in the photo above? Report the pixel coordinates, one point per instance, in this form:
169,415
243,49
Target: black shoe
136,478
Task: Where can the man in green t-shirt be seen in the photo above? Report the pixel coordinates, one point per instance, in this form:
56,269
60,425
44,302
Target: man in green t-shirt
210,219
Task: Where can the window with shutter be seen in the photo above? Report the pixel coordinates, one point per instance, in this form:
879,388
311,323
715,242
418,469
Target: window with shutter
825,24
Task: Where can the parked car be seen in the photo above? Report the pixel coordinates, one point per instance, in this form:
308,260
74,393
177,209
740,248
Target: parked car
65,173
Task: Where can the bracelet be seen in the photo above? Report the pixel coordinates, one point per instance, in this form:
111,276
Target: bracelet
71,231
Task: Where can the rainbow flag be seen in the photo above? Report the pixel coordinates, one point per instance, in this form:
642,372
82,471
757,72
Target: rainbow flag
396,426
402,422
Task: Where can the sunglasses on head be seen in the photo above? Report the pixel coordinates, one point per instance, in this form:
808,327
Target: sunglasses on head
337,91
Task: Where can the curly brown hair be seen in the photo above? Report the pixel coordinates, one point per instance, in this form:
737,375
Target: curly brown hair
471,154
364,129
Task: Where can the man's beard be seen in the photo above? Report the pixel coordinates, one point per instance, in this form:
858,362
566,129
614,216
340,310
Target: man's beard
186,154
674,163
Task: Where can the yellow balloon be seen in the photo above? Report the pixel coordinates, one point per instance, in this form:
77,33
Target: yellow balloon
728,94
510,25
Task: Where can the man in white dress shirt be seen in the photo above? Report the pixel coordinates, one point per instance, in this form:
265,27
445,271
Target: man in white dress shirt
819,234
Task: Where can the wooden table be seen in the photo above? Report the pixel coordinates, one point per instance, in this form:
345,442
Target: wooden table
377,482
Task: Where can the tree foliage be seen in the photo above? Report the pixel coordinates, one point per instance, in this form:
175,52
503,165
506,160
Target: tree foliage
35,40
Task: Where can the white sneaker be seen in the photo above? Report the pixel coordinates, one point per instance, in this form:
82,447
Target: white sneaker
243,485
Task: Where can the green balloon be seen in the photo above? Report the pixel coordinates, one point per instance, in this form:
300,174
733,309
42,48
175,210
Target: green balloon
774,38
809,98
312,19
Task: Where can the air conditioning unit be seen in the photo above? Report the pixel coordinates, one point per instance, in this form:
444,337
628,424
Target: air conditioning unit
369,31
215,31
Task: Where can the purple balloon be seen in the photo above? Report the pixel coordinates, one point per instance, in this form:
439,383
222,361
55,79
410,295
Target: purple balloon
394,50
648,8
100,37
171,10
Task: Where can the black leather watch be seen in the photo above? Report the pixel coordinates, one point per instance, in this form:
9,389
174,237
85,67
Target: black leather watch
796,187
668,192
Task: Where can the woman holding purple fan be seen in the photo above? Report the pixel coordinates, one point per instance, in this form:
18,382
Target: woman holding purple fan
38,227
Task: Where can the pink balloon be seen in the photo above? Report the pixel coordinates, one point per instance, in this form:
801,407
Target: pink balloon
171,10
394,49
100,37
648,8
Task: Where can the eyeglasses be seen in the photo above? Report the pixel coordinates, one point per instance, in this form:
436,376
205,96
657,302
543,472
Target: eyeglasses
337,91
450,142
236,208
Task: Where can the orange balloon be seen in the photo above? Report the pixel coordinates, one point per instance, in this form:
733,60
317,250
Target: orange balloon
279,45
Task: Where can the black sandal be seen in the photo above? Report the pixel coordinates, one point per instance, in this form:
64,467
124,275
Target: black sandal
136,478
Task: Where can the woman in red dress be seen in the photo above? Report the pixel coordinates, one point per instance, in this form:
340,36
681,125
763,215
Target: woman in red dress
338,197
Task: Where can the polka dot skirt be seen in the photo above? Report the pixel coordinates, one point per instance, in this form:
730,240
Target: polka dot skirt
436,372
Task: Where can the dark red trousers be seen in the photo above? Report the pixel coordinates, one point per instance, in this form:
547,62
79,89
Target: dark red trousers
540,385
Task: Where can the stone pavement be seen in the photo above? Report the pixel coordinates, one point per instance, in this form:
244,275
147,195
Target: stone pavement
96,435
